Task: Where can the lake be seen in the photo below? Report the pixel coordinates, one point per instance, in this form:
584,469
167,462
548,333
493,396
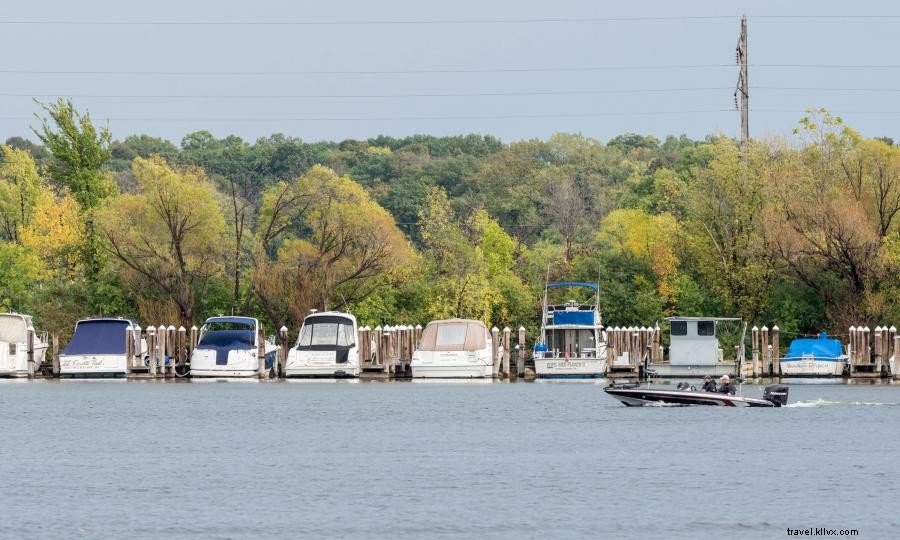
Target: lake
402,460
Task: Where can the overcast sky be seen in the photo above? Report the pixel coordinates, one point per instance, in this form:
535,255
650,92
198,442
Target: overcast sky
516,80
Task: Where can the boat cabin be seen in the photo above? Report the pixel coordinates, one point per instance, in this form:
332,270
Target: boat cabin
98,347
228,347
694,341
326,347
453,348
14,329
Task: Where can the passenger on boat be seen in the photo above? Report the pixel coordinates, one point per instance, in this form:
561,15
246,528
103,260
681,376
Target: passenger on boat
709,385
727,387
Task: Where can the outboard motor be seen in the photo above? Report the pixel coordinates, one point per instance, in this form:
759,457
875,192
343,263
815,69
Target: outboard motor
683,386
777,394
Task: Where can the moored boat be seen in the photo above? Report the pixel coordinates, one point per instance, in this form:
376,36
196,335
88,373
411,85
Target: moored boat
229,347
572,342
99,348
633,395
453,348
818,357
14,328
326,347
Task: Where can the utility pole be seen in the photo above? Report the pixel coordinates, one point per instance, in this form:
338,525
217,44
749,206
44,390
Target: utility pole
743,86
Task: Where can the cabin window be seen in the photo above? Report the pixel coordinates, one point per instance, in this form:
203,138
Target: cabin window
451,334
327,333
679,328
706,328
12,349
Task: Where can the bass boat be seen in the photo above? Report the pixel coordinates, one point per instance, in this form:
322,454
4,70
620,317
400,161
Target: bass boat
633,395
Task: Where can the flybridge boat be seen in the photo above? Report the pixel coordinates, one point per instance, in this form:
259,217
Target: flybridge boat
453,348
326,347
99,348
14,344
633,395
229,347
572,341
820,357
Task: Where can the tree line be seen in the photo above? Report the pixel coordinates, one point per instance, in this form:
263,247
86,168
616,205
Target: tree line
801,231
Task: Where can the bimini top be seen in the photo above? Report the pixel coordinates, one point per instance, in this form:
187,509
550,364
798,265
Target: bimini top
99,336
703,318
573,284
822,348
454,335
244,321
14,327
329,316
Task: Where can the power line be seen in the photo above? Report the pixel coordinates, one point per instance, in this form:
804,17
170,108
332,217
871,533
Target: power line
377,96
432,22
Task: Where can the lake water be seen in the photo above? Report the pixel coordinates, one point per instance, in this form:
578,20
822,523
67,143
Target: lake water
117,459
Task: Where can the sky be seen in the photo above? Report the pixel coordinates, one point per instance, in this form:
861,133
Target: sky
516,69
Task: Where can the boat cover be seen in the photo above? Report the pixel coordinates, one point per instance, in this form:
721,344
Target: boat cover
223,341
101,336
572,284
573,317
822,347
12,328
454,335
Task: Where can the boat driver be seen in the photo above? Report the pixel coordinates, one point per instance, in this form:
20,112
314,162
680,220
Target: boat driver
726,386
709,385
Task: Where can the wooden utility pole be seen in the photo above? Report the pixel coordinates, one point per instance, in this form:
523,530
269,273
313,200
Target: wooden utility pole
743,86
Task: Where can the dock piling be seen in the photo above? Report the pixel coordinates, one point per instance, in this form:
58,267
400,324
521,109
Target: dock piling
520,358
283,351
754,344
495,350
54,338
776,352
30,352
506,345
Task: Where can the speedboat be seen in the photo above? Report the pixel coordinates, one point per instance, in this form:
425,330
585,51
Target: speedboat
572,342
229,347
99,348
453,348
820,357
633,395
326,347
14,329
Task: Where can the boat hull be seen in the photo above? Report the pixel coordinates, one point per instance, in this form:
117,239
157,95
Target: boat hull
639,397
566,368
88,365
472,371
812,368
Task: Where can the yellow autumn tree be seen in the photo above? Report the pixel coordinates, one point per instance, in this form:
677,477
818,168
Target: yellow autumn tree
55,234
20,186
169,237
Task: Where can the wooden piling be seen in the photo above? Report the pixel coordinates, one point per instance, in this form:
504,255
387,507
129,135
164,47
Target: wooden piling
520,358
765,352
495,350
507,333
896,373
129,350
151,348
261,354
182,347
283,351
776,352
877,350
138,360
29,336
851,346
54,338
754,343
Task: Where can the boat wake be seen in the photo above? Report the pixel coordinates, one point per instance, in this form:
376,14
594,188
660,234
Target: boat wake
821,403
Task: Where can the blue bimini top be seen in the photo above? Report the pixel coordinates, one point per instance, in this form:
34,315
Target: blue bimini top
98,336
821,348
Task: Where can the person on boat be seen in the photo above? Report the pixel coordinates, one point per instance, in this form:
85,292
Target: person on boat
727,387
709,385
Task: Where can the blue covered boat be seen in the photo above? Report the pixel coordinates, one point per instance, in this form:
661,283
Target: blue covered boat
229,347
814,357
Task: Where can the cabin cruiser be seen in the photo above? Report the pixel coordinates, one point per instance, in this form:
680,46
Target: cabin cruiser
326,347
696,347
633,395
229,347
572,342
14,329
819,357
453,348
99,348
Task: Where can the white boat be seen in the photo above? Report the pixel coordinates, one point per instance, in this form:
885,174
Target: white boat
453,348
326,347
14,329
820,357
228,347
99,348
633,395
572,344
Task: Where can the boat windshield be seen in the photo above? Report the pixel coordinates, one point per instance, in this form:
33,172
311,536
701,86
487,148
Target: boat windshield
333,332
12,328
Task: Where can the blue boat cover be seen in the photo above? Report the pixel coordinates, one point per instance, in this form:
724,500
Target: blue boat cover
101,336
573,284
540,347
821,348
573,317
223,341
